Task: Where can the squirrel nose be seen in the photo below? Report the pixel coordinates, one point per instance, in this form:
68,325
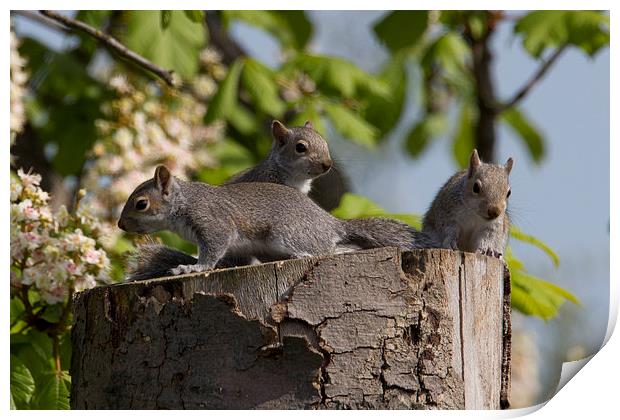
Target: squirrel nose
120,224
493,212
327,165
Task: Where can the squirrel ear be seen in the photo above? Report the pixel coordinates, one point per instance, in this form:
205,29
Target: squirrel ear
163,179
308,124
474,163
280,132
508,165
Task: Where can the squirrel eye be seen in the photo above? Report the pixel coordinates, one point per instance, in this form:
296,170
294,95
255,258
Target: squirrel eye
300,148
477,187
142,204
508,194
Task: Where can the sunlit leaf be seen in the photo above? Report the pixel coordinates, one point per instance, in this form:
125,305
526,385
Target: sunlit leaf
532,139
351,125
353,206
259,81
464,138
519,235
544,29
290,27
175,48
54,394
225,100
22,384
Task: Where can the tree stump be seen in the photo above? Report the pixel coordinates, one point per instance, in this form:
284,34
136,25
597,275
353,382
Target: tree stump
371,329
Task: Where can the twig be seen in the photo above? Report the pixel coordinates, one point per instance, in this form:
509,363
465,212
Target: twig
527,87
113,44
43,20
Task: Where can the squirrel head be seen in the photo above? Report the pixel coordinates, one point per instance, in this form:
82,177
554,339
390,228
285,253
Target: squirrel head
486,187
148,207
300,150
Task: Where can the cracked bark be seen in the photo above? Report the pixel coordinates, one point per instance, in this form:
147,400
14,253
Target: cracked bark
373,329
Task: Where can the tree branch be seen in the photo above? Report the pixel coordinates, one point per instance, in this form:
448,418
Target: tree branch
114,45
527,87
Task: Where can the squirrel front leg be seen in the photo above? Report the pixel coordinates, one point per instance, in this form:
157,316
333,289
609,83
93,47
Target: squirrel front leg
211,249
492,241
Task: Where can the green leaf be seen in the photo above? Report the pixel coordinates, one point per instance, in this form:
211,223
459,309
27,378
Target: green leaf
165,17
519,235
353,206
534,296
533,140
196,16
232,158
449,54
309,112
260,82
464,138
352,126
176,47
225,100
544,29
22,384
423,132
291,28
402,29
385,111
54,394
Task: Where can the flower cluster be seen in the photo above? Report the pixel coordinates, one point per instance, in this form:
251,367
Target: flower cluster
19,77
52,253
144,128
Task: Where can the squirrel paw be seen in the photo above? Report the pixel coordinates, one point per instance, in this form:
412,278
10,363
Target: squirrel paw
492,253
186,269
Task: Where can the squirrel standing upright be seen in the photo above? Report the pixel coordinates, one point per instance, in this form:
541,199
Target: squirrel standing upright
469,211
239,219
298,155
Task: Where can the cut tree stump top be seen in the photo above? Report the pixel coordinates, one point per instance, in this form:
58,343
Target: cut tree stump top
371,329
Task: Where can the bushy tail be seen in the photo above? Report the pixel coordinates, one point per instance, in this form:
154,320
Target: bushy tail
378,232
150,261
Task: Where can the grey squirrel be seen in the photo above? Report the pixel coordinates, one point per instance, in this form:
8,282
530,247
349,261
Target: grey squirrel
469,211
239,219
298,155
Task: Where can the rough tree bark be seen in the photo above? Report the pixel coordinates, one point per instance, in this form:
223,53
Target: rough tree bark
373,329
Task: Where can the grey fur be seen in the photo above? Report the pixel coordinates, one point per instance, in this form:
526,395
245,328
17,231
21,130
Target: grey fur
241,219
285,165
461,219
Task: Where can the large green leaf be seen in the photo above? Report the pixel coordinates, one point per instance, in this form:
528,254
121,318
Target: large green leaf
175,46
351,125
54,393
353,206
544,29
22,384
519,235
464,138
450,55
225,100
260,82
534,296
196,16
232,158
401,29
290,27
424,132
532,139
384,111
